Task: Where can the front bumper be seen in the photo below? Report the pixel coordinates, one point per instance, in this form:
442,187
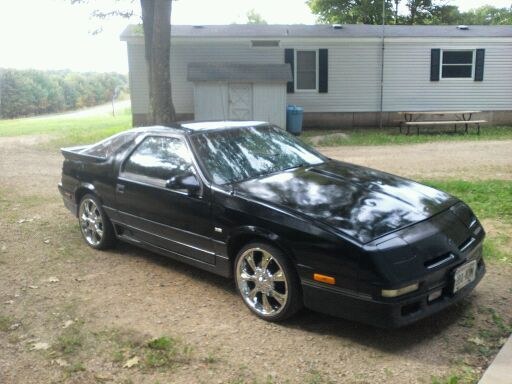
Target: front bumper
69,199
382,313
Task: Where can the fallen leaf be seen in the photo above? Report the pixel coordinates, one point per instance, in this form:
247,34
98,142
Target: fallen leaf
67,323
103,377
476,341
25,221
53,279
131,362
40,347
61,362
14,326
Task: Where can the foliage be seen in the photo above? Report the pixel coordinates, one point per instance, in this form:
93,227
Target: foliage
254,17
31,92
487,15
418,12
350,11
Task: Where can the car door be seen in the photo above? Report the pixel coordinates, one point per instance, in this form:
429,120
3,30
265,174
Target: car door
151,212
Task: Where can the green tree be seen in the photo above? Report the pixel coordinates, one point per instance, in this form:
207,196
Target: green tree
420,11
31,92
487,15
351,11
254,17
445,14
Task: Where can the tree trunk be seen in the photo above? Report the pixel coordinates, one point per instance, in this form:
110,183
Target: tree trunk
156,21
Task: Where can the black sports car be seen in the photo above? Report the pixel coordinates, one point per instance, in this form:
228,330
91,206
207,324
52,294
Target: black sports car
247,200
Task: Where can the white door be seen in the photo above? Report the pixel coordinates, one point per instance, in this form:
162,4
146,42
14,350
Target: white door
240,101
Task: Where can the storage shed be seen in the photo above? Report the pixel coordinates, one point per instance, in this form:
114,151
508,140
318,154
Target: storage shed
230,91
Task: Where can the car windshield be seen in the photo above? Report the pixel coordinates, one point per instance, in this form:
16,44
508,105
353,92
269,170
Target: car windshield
234,155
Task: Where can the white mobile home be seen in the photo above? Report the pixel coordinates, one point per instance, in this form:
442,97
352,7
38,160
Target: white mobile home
333,72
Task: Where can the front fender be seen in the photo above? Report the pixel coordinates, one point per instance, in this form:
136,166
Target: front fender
240,236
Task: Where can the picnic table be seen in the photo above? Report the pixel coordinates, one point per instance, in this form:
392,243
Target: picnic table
456,118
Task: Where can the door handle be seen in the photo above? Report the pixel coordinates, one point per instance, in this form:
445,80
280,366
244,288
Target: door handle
120,188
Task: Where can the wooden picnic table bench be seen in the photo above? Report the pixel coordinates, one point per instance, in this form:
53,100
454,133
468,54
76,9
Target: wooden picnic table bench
461,118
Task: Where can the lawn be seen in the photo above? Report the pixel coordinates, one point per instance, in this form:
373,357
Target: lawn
491,200
392,136
65,131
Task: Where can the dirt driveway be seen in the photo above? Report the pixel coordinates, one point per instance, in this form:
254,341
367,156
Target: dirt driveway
72,314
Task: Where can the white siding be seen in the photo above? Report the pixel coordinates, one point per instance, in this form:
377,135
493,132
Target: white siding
139,89
210,100
407,84
270,103
354,78
354,75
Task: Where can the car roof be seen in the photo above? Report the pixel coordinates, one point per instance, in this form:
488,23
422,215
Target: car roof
189,127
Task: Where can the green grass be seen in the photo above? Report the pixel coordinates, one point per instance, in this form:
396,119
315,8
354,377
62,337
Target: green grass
373,136
67,131
165,352
5,323
489,199
158,353
71,341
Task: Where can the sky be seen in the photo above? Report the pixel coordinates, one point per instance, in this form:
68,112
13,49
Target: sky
53,34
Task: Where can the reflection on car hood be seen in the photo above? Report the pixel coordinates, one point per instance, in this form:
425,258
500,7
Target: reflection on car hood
361,202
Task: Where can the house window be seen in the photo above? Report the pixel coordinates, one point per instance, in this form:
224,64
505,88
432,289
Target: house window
457,64
306,70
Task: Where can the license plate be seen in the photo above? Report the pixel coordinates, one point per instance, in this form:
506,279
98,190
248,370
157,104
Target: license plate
464,275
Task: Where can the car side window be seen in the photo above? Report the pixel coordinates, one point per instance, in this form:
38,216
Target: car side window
157,159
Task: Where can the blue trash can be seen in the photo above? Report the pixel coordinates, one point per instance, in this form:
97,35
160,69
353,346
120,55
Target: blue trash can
294,116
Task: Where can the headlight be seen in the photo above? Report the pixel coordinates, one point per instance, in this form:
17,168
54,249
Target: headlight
400,291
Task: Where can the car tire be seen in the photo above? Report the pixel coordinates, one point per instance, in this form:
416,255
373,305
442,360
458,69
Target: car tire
95,226
267,282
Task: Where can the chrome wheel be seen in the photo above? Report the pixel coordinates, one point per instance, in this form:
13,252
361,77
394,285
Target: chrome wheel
91,222
262,282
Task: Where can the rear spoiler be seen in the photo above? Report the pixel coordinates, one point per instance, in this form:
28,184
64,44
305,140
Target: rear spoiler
77,153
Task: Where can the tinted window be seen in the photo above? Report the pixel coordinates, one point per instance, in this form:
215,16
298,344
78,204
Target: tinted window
457,64
159,158
306,70
238,154
111,145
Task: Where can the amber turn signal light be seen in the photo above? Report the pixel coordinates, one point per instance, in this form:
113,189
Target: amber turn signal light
324,278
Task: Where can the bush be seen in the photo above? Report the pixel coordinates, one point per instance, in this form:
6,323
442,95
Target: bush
31,92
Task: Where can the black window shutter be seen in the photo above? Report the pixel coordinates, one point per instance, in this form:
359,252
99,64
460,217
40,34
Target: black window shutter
289,59
435,62
479,64
323,70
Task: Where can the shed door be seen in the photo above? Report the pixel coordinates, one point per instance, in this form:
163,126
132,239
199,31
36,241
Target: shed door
240,101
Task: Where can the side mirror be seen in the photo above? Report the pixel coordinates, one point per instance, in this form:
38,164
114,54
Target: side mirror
186,182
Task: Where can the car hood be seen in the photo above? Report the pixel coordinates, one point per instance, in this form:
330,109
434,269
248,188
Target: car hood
360,202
